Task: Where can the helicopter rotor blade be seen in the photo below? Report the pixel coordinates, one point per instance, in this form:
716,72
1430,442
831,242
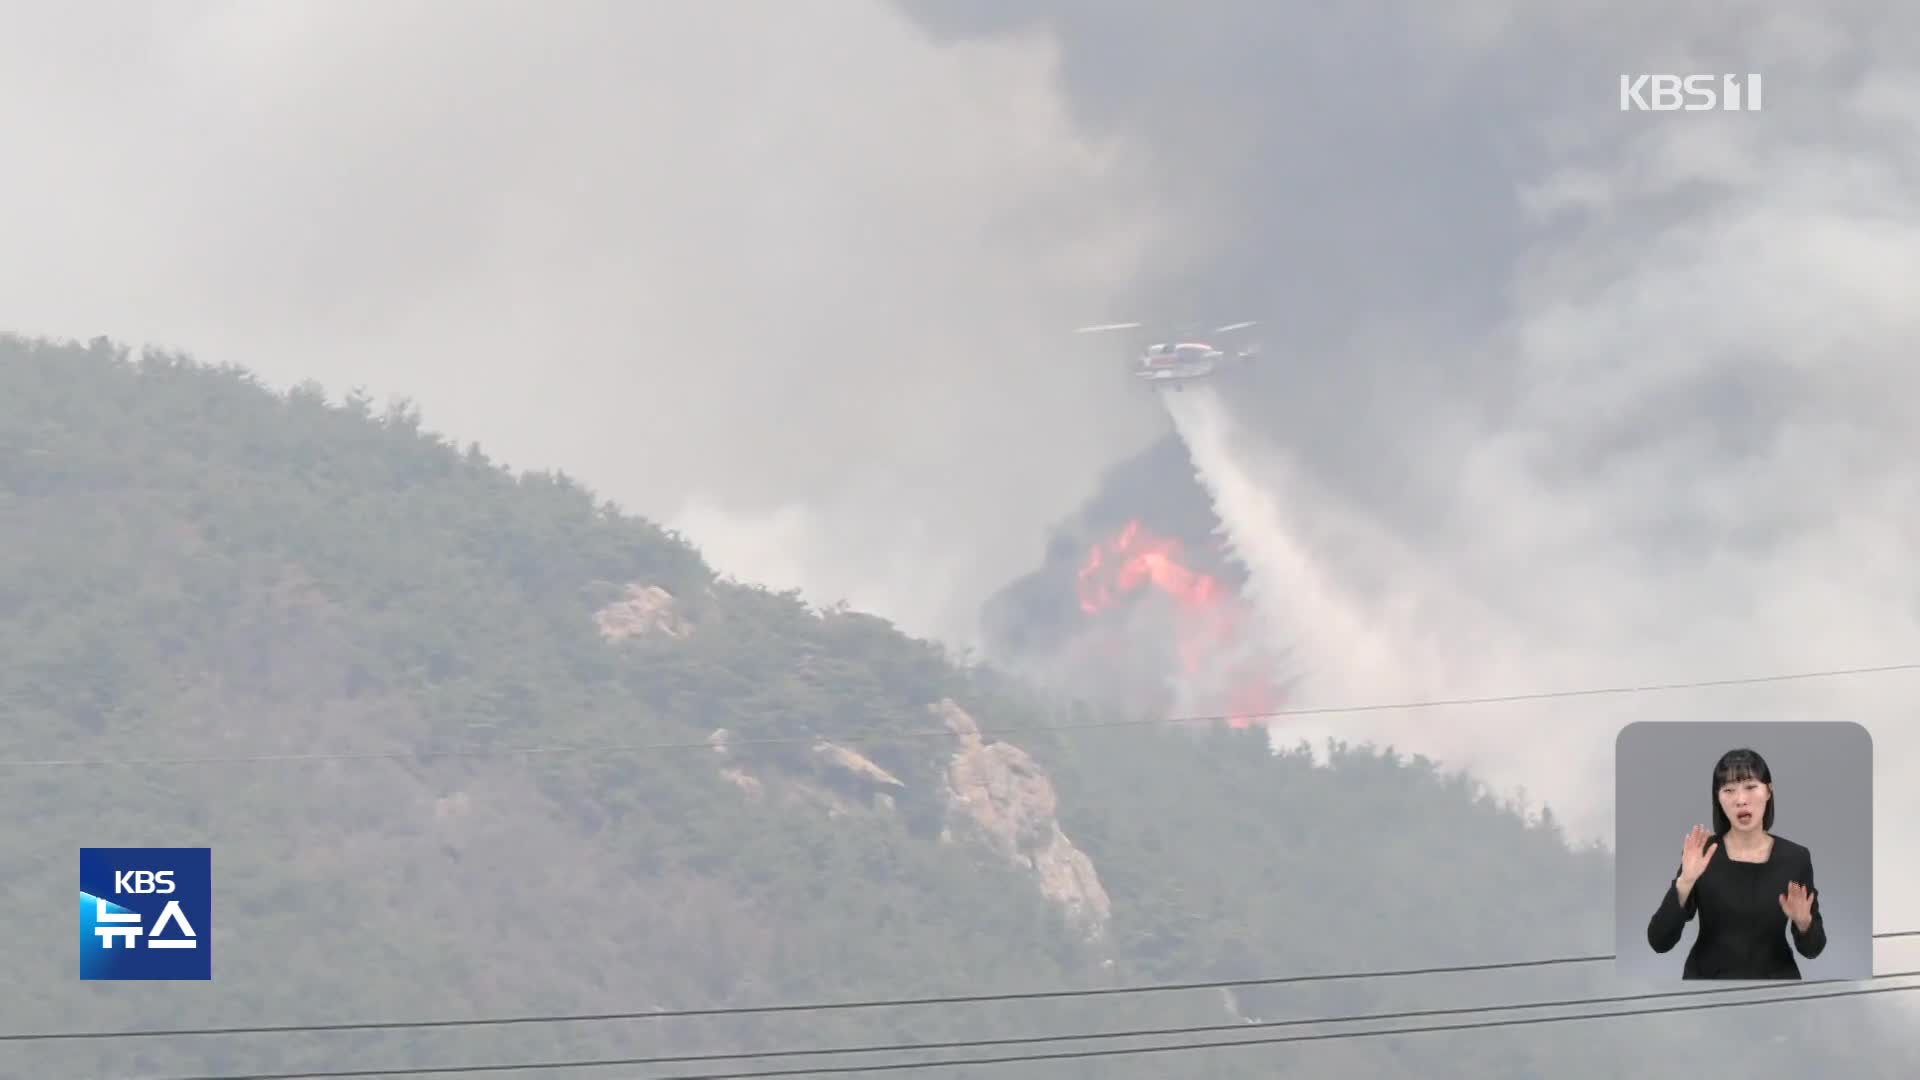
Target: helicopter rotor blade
1108,326
1234,326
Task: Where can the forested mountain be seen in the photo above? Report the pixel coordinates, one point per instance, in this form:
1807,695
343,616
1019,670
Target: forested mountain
468,743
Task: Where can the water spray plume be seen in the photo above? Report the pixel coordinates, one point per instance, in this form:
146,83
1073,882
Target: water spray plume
1306,608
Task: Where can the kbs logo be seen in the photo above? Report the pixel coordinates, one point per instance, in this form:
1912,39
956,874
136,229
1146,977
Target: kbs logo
1689,93
146,913
143,881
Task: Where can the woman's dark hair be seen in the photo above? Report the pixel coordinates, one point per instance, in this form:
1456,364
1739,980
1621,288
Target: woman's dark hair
1740,765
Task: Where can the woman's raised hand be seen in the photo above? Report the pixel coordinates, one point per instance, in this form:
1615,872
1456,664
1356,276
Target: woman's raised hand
1695,853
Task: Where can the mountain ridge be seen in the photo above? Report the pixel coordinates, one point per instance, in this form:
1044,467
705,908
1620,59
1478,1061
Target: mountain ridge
190,562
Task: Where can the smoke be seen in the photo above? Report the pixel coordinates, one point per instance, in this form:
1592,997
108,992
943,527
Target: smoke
1193,635
1364,619
1341,646
1638,387
742,268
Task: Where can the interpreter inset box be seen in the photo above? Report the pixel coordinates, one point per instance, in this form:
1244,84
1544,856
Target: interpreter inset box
1743,851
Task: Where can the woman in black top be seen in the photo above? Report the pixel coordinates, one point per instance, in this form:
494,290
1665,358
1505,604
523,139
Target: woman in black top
1746,885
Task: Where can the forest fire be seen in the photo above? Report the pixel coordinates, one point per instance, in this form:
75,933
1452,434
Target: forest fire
1209,617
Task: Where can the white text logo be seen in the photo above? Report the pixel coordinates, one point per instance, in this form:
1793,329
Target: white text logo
125,925
1691,93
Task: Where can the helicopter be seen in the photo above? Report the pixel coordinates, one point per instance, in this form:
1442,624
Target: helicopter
1185,357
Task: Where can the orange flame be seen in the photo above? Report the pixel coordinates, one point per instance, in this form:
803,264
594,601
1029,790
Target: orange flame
1134,558
1210,614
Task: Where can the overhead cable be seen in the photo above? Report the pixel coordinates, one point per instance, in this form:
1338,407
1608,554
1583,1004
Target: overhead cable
835,1006
1220,1044
856,738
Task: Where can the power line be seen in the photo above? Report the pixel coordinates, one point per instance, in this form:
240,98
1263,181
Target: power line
1199,1029
763,1074
943,733
835,1006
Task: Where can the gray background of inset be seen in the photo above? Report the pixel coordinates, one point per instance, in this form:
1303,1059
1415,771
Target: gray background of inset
1823,785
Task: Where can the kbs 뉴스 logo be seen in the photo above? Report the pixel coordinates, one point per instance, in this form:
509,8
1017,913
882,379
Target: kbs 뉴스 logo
146,913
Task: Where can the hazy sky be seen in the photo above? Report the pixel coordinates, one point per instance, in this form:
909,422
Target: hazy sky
1637,389
800,284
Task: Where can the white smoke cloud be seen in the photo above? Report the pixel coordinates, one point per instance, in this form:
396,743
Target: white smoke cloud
1703,467
765,269
1709,467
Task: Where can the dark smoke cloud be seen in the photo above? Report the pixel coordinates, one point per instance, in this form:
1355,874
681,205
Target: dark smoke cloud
1387,188
1356,177
1340,178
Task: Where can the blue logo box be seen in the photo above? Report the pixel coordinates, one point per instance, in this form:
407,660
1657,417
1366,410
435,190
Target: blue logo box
146,913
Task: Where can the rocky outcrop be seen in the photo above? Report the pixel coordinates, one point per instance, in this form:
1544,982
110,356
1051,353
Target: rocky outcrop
998,795
860,785
642,609
856,765
743,780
